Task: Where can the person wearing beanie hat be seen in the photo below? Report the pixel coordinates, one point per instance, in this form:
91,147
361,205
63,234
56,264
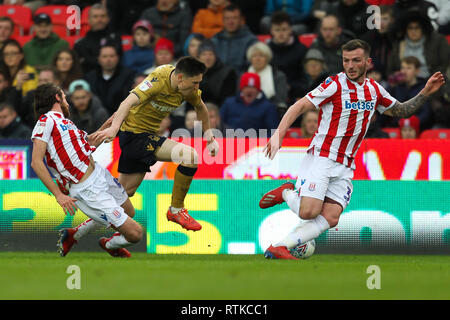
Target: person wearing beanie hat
164,54
87,111
219,81
409,128
141,56
192,43
249,109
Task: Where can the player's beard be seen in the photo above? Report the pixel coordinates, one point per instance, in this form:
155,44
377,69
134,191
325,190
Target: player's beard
359,74
65,109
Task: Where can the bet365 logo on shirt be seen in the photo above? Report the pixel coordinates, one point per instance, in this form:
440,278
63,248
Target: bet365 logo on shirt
360,105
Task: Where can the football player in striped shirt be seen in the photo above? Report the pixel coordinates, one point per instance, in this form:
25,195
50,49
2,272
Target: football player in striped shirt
346,102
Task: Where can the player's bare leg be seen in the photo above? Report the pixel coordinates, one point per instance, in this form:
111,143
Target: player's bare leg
188,159
70,236
131,181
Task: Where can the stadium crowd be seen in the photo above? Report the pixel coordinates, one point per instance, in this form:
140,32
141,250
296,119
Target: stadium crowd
261,56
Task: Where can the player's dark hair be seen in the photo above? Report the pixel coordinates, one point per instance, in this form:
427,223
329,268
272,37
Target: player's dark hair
280,17
357,44
190,67
45,98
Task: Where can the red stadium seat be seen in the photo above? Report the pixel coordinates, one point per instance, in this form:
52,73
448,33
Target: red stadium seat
435,134
22,17
22,39
307,39
448,39
58,13
85,15
294,133
127,42
394,133
264,37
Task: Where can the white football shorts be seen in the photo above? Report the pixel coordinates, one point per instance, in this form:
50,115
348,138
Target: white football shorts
321,177
100,197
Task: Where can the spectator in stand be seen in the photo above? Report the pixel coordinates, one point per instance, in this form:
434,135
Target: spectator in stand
99,35
192,43
329,42
6,29
215,122
252,11
164,54
315,73
111,82
164,127
87,111
67,67
41,50
403,8
288,52
249,109
209,21
409,128
352,16
11,127
421,41
219,81
9,94
443,20
170,20
26,109
233,41
21,75
381,40
406,85
273,81
298,10
124,14
440,108
141,56
310,123
375,130
138,79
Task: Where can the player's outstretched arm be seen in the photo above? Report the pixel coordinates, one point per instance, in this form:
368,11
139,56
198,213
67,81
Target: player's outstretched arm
297,109
91,136
37,163
408,108
110,133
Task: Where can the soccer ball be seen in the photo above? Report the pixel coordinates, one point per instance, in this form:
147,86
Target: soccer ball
304,250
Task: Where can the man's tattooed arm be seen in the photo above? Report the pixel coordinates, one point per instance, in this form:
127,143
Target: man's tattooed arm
408,108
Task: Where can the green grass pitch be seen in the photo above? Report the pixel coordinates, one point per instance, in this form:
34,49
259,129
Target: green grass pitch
25,275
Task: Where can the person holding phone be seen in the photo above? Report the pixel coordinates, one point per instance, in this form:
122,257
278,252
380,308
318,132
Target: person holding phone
22,76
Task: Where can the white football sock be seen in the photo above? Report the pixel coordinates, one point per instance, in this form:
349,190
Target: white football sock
174,210
86,227
309,230
292,198
117,241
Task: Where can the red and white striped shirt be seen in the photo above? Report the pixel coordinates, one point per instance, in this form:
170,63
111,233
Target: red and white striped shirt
346,108
68,151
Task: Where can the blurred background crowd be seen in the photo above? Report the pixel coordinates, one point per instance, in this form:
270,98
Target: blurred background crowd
261,56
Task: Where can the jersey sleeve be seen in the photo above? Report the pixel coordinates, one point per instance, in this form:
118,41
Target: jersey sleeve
148,88
323,93
195,98
385,100
43,129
